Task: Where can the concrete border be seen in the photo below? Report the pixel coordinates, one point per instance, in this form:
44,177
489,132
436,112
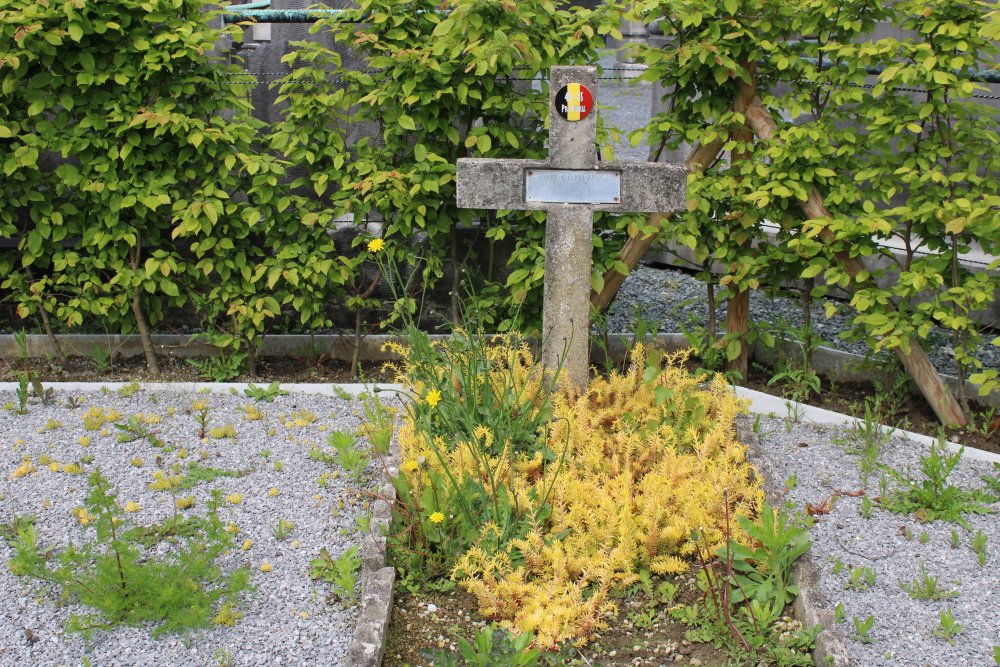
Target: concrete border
377,576
810,607
772,405
838,365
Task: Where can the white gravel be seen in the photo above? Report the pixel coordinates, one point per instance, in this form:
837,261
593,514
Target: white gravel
287,620
903,629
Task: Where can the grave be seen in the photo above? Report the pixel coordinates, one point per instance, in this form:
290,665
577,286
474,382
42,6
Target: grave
570,186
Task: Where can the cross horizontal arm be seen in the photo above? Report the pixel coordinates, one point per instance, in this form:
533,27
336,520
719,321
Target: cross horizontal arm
646,187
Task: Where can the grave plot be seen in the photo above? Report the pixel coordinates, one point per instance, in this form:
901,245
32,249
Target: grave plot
181,528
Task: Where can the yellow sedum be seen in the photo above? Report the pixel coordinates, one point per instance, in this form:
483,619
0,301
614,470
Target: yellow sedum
26,468
650,457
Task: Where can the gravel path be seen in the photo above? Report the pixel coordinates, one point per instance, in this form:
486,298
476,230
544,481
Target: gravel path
894,546
287,620
671,298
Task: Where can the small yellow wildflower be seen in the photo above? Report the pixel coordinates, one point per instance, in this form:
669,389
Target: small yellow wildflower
304,615
19,442
171,411
233,528
234,498
132,506
44,460
55,467
265,567
433,397
375,245
411,466
72,468
136,462
295,544
273,492
84,441
247,544
105,432
436,517
184,502
47,504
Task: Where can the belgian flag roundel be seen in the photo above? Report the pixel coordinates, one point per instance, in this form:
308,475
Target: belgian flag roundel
574,101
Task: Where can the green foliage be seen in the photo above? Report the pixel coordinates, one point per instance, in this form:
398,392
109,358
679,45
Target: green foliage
947,628
933,498
867,439
979,546
860,578
268,394
747,591
198,474
764,573
128,585
434,87
282,529
490,647
889,166
133,429
377,422
349,456
220,367
341,572
22,393
925,587
862,629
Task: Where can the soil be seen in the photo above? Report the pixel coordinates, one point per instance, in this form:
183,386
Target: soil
414,630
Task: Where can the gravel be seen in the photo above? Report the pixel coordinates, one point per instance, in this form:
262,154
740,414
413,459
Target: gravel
671,298
903,629
287,620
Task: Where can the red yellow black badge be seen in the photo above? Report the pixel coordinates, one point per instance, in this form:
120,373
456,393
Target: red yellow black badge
574,101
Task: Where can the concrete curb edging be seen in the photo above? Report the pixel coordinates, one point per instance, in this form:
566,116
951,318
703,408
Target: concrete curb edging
767,404
811,608
836,364
377,576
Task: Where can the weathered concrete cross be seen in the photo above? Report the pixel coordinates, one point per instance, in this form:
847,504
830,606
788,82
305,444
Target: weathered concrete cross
570,186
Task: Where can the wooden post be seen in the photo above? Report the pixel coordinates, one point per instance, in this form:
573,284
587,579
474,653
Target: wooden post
914,359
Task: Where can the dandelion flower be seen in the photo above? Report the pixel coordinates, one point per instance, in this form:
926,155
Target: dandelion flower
132,506
247,544
273,492
436,517
433,397
84,441
234,498
375,245
411,466
265,567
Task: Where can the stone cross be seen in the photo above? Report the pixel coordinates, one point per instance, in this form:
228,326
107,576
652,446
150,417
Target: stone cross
569,186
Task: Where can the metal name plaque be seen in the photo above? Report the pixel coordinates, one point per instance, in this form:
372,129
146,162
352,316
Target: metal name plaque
573,186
